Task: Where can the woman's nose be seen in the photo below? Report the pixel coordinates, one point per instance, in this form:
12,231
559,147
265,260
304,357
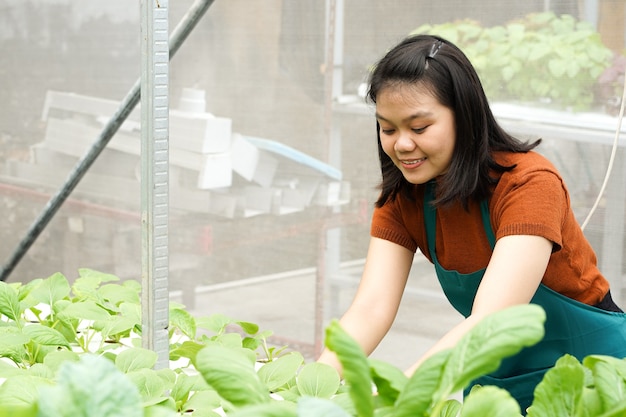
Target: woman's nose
404,142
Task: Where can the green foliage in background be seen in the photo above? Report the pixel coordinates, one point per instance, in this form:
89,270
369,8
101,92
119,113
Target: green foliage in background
73,350
541,57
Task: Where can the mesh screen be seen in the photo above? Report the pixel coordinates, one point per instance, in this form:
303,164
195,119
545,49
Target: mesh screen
266,230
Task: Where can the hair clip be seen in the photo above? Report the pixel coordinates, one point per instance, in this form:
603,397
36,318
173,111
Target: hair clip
434,49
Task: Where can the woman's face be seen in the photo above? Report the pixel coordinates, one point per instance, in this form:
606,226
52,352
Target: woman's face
416,131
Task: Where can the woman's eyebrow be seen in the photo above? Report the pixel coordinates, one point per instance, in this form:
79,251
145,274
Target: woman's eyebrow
418,115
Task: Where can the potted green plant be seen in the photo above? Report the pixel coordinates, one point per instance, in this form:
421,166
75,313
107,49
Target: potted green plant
541,58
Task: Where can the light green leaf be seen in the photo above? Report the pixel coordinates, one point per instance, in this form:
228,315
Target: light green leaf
9,302
84,310
8,370
160,411
187,350
557,67
56,358
490,401
13,344
611,387
186,384
21,391
45,336
150,386
215,322
318,380
91,387
590,404
203,402
278,372
389,381
274,409
508,73
450,408
230,371
96,277
182,320
11,337
114,325
117,294
355,368
319,407
52,289
135,359
24,291
618,411
538,51
618,364
559,392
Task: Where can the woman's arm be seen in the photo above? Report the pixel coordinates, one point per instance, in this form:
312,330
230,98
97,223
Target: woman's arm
513,275
374,308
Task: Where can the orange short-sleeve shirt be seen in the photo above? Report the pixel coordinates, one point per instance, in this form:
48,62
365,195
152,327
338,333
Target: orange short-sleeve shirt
531,199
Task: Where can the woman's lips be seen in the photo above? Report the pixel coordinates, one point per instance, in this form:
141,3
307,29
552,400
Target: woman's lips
412,163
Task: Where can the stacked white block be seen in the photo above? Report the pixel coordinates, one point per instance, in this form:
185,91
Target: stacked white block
212,169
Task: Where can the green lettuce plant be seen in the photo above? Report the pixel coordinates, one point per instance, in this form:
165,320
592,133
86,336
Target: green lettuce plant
73,350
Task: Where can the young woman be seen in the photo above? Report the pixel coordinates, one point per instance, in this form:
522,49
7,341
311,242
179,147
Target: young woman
492,215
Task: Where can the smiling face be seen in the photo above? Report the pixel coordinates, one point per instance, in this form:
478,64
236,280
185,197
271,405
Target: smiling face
416,131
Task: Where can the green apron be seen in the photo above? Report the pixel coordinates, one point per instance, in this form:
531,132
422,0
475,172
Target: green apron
571,326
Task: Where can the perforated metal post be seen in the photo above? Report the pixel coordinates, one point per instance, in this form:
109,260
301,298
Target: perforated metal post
154,177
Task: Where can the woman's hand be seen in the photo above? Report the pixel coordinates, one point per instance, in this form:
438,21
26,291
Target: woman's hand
375,305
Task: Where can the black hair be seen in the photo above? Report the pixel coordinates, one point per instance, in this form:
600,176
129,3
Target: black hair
437,65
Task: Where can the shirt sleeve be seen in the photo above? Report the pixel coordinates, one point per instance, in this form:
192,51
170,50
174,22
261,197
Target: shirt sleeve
535,202
388,223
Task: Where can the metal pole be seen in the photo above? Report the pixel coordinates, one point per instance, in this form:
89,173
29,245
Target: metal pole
184,28
154,178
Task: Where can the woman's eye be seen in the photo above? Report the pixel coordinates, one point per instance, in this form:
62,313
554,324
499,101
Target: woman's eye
420,130
387,131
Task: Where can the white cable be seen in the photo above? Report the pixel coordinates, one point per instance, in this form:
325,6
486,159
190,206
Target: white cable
611,159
